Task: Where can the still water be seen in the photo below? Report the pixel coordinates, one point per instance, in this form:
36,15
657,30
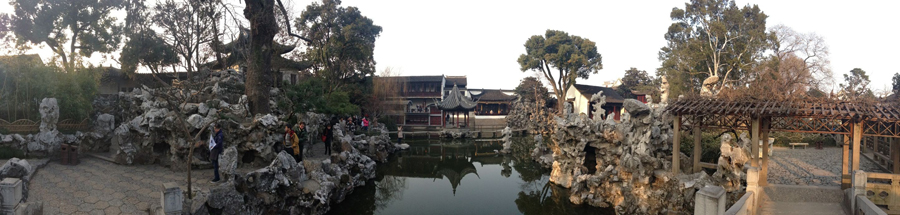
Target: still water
461,177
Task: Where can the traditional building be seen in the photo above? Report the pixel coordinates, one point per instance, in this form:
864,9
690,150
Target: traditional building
579,96
492,102
458,107
422,92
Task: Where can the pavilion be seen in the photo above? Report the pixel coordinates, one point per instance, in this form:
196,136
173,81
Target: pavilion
455,104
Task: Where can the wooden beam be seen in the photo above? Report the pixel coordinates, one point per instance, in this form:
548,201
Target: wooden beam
845,163
676,146
895,154
698,148
764,171
857,137
754,142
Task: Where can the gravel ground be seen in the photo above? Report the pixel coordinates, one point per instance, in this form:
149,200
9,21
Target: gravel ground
819,167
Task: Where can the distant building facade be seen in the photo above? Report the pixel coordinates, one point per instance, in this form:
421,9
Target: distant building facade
579,96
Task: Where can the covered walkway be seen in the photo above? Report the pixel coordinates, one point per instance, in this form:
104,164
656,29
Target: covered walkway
852,120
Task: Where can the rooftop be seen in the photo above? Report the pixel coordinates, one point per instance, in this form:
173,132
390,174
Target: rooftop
611,95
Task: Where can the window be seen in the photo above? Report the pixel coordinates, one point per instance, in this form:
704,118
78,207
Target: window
293,78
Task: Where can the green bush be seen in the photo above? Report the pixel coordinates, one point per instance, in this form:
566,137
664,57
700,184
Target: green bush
7,152
388,121
311,94
709,143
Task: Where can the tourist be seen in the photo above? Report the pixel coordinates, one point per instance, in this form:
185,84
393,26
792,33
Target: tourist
302,136
216,143
328,135
290,141
365,124
400,134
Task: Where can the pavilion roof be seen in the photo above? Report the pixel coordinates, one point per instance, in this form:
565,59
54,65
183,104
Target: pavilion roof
456,101
812,108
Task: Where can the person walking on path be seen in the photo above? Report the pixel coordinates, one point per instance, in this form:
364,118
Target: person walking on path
328,136
303,137
291,142
216,143
400,134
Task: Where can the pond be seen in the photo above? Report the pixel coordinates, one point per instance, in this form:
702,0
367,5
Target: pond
461,177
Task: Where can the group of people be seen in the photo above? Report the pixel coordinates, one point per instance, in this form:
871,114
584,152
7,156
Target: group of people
354,123
295,140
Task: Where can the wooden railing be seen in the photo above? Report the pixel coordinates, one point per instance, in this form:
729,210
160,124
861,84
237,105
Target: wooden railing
28,126
20,126
70,125
884,194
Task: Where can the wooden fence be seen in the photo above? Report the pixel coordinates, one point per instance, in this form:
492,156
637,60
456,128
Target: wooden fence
28,126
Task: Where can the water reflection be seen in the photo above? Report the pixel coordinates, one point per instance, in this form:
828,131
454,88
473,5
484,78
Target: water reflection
470,177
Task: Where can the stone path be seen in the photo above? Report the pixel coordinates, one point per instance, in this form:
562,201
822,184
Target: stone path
99,187
810,166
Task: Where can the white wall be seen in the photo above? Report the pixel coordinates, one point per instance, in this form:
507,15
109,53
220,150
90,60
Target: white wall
581,102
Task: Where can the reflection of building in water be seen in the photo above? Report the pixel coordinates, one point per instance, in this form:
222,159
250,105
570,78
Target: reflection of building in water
444,161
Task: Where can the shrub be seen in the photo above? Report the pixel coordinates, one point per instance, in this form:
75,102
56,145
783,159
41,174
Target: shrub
7,152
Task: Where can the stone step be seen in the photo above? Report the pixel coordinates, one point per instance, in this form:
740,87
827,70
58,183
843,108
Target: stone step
102,156
800,208
797,193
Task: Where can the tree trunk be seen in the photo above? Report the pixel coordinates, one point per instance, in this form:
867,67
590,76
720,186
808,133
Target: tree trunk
263,28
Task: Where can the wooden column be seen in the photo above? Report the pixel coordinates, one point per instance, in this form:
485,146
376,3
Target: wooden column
698,146
845,163
754,142
895,154
676,146
857,137
764,171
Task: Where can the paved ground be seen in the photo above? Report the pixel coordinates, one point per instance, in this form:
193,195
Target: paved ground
820,167
99,187
796,200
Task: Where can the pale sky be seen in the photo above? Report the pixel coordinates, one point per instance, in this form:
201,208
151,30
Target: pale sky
482,39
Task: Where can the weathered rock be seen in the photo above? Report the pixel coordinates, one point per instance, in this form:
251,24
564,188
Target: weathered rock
622,164
18,168
635,108
226,198
202,109
228,161
49,114
105,124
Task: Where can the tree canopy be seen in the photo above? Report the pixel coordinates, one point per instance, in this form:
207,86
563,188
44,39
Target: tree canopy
341,42
637,80
561,58
713,38
87,26
531,89
856,85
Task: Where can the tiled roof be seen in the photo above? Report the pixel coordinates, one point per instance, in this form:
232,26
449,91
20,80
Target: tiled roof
456,101
611,95
494,95
456,80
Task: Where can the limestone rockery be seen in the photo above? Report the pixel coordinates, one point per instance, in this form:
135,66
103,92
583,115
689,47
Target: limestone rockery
627,164
157,126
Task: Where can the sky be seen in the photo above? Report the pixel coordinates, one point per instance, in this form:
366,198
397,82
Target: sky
483,39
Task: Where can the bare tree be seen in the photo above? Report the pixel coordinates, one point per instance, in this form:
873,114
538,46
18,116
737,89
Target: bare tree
187,26
387,90
809,48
